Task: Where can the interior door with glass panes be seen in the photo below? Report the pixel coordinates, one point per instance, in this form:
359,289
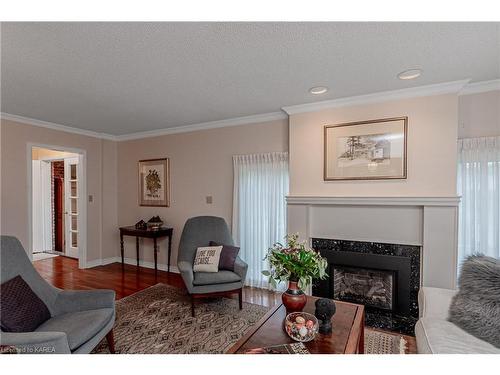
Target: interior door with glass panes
71,196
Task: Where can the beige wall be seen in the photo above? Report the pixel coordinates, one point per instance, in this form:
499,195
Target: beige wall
201,165
479,115
432,156
101,157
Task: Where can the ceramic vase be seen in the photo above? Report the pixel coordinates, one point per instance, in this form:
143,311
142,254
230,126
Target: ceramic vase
294,299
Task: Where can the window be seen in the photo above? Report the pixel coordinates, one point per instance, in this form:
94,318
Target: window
259,208
479,185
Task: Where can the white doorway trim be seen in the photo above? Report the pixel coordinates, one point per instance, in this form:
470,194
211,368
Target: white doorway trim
82,203
42,213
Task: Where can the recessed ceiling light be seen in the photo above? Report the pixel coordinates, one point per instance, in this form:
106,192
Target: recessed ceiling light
318,90
410,74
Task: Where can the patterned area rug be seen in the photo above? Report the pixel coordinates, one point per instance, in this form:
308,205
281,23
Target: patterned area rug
158,320
383,343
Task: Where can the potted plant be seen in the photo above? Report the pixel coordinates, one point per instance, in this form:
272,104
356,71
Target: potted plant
297,264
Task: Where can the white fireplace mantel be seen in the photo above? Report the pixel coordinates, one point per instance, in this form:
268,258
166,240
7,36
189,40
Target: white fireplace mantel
375,201
429,222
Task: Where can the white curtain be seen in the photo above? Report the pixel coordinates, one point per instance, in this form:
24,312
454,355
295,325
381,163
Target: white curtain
259,208
479,185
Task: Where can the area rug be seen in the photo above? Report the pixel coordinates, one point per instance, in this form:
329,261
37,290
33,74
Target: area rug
158,320
377,342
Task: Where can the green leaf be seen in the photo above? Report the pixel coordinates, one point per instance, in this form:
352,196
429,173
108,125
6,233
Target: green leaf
266,273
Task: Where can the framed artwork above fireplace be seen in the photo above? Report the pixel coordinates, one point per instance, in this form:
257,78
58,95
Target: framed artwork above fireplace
366,150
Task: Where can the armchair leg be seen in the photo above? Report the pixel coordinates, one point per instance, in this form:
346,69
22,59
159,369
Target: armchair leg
111,342
192,306
240,297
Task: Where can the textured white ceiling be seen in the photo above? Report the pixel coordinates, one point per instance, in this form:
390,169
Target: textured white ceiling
120,78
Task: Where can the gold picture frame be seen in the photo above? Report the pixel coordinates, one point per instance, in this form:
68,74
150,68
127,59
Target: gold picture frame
366,150
154,182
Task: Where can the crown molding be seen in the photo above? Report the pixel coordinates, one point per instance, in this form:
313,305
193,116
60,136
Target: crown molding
479,87
53,126
461,87
273,116
378,97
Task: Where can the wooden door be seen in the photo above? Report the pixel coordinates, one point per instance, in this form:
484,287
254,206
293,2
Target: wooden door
59,213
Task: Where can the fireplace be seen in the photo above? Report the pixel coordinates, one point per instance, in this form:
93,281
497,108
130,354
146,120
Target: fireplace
385,278
374,288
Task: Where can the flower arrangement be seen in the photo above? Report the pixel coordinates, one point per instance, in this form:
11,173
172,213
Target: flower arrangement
294,262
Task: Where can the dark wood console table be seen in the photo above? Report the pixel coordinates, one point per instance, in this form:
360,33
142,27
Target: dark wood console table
147,233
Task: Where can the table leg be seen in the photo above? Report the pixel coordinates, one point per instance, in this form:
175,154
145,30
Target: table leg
137,250
155,250
121,248
361,347
169,251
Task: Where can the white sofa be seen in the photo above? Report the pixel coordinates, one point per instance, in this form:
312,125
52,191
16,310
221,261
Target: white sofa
436,335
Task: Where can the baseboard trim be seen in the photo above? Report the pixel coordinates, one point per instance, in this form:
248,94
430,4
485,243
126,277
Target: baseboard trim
133,262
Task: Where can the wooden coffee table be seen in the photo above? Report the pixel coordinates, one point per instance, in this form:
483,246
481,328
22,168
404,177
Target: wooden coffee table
347,336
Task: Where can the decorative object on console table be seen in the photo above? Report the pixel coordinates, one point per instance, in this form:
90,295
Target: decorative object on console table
297,264
141,225
154,182
146,233
325,309
366,150
155,223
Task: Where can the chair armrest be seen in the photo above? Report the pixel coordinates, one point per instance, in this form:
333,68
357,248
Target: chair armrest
81,300
186,270
434,302
36,342
241,268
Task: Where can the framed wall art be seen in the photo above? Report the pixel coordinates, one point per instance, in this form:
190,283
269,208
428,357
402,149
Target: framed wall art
366,150
154,182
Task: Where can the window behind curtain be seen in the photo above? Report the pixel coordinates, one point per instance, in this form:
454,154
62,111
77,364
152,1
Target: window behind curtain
479,185
259,208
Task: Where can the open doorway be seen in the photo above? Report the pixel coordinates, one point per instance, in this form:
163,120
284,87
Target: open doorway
57,181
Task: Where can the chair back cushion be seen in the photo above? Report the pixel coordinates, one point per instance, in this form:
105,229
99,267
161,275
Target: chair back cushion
20,308
228,256
15,262
198,232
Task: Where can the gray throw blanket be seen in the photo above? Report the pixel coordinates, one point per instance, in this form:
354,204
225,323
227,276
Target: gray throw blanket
476,306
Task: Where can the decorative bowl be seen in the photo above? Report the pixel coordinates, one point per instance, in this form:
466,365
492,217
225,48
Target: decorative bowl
301,326
155,225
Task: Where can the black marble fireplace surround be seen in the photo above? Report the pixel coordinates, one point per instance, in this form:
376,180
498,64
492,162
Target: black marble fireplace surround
402,260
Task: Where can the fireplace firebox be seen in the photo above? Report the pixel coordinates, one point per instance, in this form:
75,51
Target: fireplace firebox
385,278
368,287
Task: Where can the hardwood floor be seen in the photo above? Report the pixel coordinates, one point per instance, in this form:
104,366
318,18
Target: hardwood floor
63,272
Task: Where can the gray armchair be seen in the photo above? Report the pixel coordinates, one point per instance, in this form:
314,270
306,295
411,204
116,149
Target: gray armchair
79,319
198,232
